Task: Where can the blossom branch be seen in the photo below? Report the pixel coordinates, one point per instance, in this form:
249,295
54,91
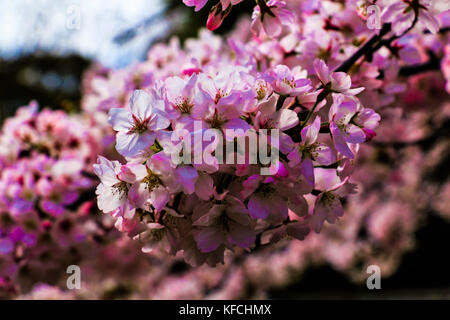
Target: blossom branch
280,101
432,64
322,95
368,48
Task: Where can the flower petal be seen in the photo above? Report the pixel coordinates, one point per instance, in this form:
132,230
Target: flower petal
258,207
120,119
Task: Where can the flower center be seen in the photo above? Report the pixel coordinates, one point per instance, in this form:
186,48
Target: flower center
170,221
137,80
151,181
268,124
157,234
185,106
215,121
120,189
290,82
310,149
222,219
267,190
328,199
261,91
324,54
55,197
139,126
28,194
30,225
219,95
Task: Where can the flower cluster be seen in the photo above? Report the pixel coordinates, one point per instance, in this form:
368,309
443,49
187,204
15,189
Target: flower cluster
297,88
270,16
379,225
46,187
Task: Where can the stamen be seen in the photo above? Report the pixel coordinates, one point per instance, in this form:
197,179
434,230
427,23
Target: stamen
185,106
139,126
121,189
152,181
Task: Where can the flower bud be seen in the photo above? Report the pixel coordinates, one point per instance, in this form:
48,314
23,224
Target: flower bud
190,71
216,16
370,134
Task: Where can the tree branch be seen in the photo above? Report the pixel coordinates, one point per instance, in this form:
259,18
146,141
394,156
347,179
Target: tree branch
367,48
433,64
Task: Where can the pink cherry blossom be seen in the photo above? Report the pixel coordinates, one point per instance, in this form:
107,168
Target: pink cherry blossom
112,192
328,206
268,117
198,4
137,127
309,150
342,129
225,224
402,15
336,81
287,82
273,196
271,18
223,96
157,236
156,181
184,100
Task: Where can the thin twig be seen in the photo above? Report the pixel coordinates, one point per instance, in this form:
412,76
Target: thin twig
364,50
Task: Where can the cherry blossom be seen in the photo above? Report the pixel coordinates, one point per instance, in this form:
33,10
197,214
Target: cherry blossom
403,13
287,82
328,206
225,224
335,81
270,18
137,127
309,150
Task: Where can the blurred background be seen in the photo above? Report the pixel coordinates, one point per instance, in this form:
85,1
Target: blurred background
46,46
